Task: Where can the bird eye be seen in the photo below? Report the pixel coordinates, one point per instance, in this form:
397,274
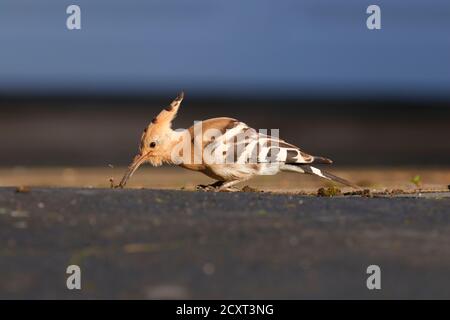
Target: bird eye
152,144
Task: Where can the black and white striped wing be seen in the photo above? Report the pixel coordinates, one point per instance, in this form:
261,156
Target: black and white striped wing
242,144
273,149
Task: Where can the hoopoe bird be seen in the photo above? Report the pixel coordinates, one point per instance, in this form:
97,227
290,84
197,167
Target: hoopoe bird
224,149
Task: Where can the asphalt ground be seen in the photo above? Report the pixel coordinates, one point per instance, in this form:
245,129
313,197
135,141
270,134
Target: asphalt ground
157,244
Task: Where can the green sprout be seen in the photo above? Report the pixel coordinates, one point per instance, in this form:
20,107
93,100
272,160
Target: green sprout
417,181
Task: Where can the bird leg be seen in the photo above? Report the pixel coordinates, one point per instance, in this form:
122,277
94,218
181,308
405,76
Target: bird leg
228,186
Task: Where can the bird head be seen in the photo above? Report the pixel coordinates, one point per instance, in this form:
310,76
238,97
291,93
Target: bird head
156,140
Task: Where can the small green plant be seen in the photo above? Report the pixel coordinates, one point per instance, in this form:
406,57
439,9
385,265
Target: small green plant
417,181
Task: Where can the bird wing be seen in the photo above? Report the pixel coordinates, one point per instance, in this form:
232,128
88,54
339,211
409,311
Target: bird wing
274,149
236,142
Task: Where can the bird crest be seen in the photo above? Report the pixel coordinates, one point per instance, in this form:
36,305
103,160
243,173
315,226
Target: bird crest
166,116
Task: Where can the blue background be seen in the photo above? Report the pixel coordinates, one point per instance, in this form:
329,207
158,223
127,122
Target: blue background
288,48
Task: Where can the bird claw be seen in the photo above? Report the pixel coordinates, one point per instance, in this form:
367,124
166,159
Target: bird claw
212,188
205,188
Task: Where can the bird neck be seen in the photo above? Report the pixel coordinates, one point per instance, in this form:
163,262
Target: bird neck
177,140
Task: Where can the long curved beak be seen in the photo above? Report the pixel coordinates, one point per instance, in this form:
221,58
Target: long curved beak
138,160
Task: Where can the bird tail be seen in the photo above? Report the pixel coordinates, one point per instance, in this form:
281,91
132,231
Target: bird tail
322,160
326,175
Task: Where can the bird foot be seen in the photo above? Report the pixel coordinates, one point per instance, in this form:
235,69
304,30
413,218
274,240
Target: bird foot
205,188
214,188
